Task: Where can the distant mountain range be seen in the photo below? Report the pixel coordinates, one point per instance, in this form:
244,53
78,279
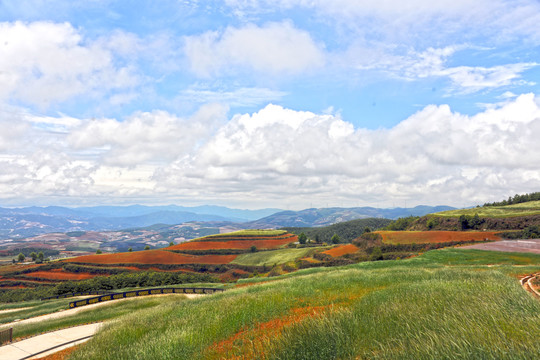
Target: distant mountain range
329,216
32,221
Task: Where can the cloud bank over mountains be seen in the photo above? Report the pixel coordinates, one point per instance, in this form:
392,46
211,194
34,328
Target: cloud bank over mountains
277,155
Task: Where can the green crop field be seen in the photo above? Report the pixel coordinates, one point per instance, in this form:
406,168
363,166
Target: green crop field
272,257
445,304
522,209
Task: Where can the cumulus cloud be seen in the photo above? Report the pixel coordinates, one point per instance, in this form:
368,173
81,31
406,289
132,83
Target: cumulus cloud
275,48
279,156
279,152
44,62
146,137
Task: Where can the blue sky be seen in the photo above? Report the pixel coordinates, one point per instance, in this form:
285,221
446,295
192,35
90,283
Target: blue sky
259,103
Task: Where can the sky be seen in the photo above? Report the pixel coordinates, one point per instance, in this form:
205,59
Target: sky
268,103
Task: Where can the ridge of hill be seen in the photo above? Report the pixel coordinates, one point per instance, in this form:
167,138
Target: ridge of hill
328,216
347,230
513,217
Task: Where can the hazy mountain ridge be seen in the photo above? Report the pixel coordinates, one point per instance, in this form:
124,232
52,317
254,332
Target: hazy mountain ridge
329,216
32,221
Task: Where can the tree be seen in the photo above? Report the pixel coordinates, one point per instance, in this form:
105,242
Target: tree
317,240
99,251
367,229
130,249
376,254
40,255
302,238
335,239
33,255
147,247
171,243
21,257
253,249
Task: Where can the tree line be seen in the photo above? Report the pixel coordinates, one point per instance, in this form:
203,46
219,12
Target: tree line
517,199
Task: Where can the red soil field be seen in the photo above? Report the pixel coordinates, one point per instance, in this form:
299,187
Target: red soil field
270,243
424,237
152,257
58,274
263,333
244,237
17,267
341,250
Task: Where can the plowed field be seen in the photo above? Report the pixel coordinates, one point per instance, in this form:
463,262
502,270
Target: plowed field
426,237
341,250
270,243
152,257
58,274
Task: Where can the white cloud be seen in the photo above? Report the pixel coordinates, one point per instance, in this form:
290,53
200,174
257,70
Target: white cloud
275,48
278,156
432,62
43,62
239,97
146,137
417,20
470,79
279,153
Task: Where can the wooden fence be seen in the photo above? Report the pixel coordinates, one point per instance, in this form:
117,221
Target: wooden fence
82,293
133,293
6,336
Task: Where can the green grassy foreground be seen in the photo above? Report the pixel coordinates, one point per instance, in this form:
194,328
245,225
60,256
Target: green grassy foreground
446,304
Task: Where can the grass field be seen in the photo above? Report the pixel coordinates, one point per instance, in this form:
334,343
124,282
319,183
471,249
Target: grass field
272,257
428,237
445,304
523,209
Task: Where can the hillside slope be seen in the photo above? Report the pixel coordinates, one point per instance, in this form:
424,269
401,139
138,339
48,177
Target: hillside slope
436,306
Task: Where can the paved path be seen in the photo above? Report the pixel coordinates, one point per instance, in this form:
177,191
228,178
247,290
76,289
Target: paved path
528,245
38,346
68,312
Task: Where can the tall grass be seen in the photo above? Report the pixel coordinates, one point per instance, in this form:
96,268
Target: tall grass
103,313
417,309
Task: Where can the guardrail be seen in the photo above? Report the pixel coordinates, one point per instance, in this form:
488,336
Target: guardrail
97,292
6,336
133,293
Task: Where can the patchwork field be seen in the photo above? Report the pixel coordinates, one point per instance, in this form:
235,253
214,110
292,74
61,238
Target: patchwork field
213,254
407,309
426,237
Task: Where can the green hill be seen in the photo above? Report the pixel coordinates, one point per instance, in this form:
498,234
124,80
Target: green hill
522,209
451,303
347,231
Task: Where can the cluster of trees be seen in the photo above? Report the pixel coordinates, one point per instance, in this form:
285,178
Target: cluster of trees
112,282
401,223
517,199
37,258
467,222
346,231
303,239
130,280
